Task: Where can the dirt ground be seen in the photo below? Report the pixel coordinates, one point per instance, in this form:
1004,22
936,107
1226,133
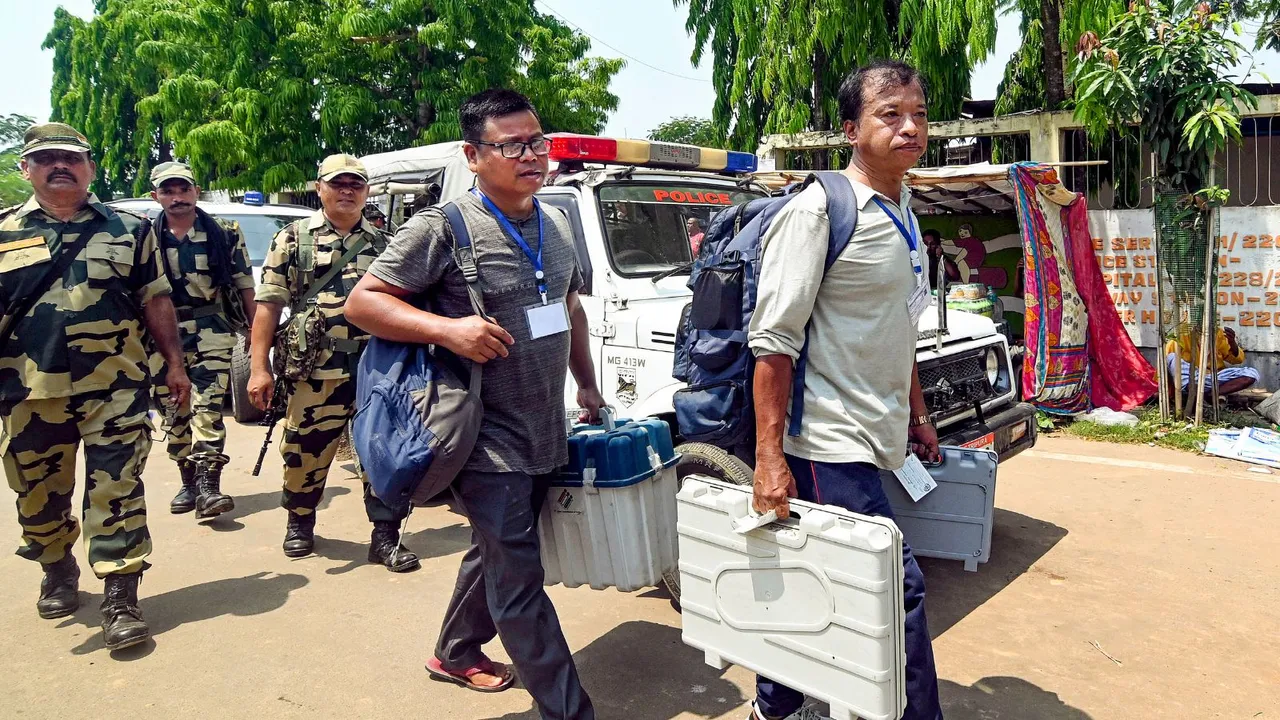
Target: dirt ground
1124,583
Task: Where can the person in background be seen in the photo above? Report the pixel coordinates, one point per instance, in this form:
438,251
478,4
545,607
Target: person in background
933,244
82,291
696,233
374,215
863,400
321,405
537,330
208,266
1227,360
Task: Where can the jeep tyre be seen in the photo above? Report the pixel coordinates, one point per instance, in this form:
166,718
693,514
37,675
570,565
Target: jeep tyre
709,460
241,408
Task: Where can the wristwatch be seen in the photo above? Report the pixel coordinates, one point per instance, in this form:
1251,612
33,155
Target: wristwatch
919,420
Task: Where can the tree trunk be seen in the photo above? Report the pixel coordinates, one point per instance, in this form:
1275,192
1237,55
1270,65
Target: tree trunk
819,119
1055,92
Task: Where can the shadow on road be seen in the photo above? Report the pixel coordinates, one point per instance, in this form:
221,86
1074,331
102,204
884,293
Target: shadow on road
620,673
1004,698
1017,542
250,595
247,505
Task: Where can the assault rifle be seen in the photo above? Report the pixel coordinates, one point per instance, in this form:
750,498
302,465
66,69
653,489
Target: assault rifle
279,400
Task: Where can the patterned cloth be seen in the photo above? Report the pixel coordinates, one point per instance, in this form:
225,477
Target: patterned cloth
1079,355
1120,378
1055,373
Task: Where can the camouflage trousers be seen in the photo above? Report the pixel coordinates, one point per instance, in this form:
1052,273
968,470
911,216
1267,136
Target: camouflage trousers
198,433
318,412
40,441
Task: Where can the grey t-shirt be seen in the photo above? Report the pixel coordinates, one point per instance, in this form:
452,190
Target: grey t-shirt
523,394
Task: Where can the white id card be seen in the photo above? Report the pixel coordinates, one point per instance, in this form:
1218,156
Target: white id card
915,479
548,319
919,302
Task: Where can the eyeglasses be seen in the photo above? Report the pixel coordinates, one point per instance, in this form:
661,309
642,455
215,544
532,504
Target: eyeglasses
515,149
347,186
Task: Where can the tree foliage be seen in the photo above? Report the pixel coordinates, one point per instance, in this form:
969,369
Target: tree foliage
253,93
777,66
1166,65
687,130
13,188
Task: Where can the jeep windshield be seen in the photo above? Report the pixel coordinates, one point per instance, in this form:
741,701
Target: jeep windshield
258,231
653,228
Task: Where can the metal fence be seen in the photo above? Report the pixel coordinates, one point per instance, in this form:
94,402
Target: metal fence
1250,169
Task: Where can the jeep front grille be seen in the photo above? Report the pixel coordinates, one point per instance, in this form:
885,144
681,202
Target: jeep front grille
953,384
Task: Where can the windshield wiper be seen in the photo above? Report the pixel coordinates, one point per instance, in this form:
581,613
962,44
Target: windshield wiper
681,269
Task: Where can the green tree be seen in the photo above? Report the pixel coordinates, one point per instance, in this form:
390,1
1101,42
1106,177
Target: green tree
13,188
1166,67
253,93
777,66
687,130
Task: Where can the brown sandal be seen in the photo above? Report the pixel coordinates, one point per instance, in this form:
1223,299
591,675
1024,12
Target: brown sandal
436,670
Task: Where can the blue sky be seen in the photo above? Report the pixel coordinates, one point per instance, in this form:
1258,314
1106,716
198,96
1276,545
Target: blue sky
658,82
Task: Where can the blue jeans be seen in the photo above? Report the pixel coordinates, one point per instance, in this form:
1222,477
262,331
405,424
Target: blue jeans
856,487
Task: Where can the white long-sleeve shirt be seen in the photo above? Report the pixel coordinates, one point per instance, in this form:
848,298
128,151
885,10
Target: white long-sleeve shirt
861,342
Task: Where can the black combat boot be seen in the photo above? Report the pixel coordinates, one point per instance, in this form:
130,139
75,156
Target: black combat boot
385,549
122,624
211,502
60,588
185,500
300,535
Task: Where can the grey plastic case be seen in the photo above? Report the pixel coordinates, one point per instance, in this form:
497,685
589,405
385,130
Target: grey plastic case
953,521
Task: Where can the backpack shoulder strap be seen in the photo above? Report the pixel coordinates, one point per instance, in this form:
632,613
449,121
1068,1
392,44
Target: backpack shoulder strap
464,254
842,212
842,216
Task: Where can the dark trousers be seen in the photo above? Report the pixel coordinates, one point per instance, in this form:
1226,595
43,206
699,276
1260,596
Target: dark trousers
856,487
499,593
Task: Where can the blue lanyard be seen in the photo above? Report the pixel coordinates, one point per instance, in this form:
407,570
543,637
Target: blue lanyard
535,259
906,235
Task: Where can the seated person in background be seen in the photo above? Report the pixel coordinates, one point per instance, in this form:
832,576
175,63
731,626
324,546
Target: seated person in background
1228,363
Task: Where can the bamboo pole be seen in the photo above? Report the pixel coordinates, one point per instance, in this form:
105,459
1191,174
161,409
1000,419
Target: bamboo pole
1206,312
1162,359
1207,340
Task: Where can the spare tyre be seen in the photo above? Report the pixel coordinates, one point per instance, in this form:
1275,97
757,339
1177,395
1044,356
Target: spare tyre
714,462
241,408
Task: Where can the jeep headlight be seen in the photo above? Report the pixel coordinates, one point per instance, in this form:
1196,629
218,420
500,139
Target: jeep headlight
993,366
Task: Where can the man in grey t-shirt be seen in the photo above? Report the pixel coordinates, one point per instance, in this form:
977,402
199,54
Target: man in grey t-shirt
530,280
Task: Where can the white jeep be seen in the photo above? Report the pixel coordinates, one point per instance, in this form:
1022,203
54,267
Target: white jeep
633,225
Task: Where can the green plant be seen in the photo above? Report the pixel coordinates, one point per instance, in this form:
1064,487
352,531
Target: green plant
687,130
1166,66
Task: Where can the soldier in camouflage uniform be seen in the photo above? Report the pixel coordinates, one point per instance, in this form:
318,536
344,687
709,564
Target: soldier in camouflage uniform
208,266
80,293
322,403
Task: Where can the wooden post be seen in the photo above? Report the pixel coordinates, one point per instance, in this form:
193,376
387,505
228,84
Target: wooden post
1206,314
1162,360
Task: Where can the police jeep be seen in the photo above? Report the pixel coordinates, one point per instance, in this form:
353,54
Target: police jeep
259,222
637,209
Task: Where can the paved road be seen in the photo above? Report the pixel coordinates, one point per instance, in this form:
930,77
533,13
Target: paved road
1166,561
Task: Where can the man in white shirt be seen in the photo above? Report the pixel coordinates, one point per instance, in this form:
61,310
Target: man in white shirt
862,397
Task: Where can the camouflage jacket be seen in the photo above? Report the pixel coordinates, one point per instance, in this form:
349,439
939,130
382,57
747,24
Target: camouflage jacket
86,332
186,265
281,282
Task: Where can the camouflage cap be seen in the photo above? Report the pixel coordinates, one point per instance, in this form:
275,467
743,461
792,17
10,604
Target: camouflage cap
342,164
171,171
54,136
